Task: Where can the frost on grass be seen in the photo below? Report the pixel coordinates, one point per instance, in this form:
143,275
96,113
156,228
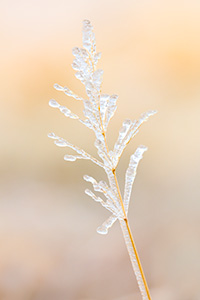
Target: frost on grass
98,110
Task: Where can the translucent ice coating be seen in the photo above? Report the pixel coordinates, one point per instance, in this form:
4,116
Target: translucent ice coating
98,109
131,173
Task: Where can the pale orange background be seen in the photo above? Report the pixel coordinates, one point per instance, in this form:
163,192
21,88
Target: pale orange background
49,248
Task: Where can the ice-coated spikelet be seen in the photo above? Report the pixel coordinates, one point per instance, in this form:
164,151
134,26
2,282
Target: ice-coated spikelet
67,91
131,173
89,42
127,132
110,110
67,112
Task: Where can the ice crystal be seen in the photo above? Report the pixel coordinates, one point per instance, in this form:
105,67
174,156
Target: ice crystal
99,108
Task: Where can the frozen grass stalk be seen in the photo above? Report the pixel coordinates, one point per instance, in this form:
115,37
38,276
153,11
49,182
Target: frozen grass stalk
99,108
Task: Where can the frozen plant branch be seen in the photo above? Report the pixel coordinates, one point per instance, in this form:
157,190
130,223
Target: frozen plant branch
98,110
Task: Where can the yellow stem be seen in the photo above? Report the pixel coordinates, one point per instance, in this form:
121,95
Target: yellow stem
138,260
132,241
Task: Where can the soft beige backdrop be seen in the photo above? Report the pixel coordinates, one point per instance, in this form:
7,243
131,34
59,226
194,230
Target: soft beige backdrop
49,248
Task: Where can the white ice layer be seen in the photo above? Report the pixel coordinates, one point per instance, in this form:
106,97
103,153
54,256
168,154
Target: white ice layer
131,173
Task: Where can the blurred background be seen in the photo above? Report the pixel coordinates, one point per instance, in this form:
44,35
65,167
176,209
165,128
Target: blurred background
49,248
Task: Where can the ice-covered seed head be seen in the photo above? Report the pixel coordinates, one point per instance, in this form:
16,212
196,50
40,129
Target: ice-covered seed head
103,184
75,65
102,230
112,100
84,53
69,157
58,87
87,25
127,122
76,51
61,143
89,193
52,135
89,179
53,103
89,86
122,130
97,143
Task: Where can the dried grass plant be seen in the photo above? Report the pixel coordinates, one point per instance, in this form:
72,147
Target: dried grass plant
99,108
